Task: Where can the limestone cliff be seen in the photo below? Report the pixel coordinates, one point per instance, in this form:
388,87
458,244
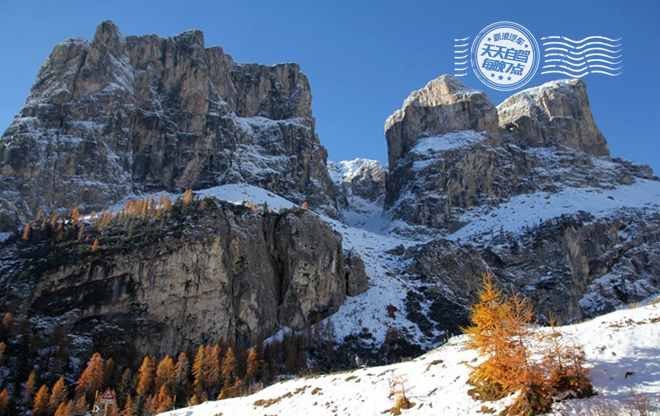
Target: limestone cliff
214,271
123,115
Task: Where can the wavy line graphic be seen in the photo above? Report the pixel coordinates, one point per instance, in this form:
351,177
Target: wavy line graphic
581,69
584,62
581,75
578,58
580,41
568,45
460,62
574,53
598,43
564,56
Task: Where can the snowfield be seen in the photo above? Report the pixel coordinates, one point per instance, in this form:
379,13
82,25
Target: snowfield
623,342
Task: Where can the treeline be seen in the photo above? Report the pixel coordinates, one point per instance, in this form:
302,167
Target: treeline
213,372
146,219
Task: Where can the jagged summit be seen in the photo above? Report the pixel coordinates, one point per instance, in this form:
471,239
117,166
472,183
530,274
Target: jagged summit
442,106
556,112
452,151
124,115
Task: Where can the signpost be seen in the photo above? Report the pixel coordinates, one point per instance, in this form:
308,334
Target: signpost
107,398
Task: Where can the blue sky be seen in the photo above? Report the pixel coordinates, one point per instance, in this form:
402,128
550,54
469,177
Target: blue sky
362,58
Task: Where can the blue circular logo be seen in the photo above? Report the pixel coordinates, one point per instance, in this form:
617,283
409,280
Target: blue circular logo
505,56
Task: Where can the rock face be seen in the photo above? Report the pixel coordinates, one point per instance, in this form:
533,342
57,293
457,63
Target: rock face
360,183
125,114
449,161
226,272
571,267
556,113
444,105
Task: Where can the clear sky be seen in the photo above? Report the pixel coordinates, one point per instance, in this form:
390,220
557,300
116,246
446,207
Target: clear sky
363,58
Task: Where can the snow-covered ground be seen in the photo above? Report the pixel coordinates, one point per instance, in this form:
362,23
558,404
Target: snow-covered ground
530,209
623,342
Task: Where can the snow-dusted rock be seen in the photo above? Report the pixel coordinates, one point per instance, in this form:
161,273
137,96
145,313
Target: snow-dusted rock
132,114
444,105
448,161
555,113
221,272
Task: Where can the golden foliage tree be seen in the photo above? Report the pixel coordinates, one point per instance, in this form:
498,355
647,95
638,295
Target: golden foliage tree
198,371
64,409
129,408
146,377
26,232
4,402
187,197
91,379
229,366
41,401
164,400
29,389
253,366
503,333
59,394
165,373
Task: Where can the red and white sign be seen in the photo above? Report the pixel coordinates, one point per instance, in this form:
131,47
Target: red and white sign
108,397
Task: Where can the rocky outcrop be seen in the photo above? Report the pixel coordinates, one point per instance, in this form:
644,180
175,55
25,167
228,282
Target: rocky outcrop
444,105
360,184
449,162
357,280
571,267
556,113
220,271
129,114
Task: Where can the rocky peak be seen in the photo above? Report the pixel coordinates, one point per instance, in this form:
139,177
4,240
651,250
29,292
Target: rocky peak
448,157
444,105
124,115
555,113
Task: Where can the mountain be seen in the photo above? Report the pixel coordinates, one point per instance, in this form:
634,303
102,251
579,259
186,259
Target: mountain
124,115
327,259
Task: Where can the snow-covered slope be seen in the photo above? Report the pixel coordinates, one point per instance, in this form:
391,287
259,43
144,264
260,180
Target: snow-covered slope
361,191
530,209
623,342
